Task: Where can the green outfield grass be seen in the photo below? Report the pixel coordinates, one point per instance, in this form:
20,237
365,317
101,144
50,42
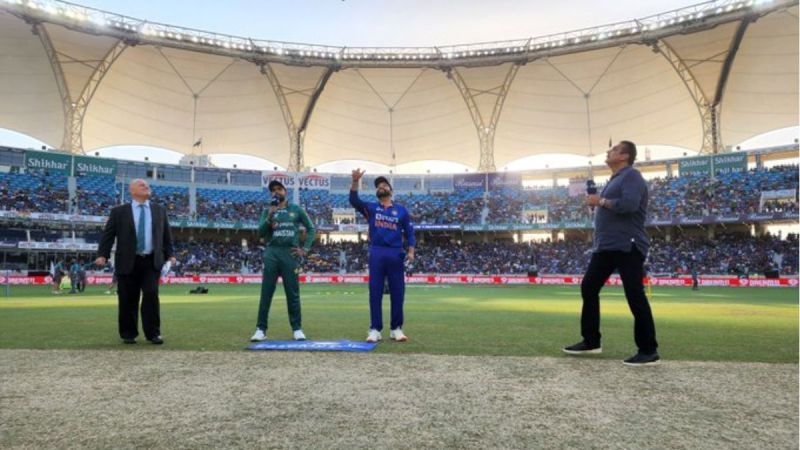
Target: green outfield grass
714,324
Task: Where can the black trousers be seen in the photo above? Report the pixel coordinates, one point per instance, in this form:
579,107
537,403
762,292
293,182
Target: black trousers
143,281
631,271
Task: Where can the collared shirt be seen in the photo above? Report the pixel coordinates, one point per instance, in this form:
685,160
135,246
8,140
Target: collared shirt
148,224
620,225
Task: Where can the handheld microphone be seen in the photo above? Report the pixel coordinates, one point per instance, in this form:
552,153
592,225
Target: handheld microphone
275,201
591,189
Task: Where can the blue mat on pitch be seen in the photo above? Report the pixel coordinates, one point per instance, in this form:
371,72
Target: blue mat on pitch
313,346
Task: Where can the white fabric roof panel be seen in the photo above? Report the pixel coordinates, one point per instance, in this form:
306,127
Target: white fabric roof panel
761,94
633,94
705,57
564,104
79,56
429,118
29,99
148,98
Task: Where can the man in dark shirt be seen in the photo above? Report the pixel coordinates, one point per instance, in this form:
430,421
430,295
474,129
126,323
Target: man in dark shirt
620,243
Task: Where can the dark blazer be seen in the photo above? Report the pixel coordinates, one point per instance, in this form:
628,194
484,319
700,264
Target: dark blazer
120,225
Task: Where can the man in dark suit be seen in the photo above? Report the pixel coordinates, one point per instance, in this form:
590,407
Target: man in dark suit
144,243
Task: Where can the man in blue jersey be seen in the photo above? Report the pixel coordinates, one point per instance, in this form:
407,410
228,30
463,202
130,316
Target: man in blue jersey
388,223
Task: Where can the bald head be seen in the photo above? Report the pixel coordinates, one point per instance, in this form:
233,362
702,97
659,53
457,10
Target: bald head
139,190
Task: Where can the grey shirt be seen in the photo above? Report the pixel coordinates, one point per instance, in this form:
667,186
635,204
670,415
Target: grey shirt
621,223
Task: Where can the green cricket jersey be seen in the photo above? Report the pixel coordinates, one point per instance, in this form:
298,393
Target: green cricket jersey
286,229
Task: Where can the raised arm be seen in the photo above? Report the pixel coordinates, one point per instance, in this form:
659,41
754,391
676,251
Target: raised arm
355,200
265,223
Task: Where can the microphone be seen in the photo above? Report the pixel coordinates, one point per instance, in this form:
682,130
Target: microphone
591,189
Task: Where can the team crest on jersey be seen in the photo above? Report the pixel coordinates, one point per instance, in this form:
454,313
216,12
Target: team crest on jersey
291,214
394,212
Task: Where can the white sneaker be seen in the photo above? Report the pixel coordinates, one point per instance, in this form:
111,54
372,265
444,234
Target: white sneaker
374,336
298,335
259,336
398,335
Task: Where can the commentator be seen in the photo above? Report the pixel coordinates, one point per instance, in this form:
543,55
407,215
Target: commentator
620,243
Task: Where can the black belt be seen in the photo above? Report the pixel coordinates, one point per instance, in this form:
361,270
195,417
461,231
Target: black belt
149,255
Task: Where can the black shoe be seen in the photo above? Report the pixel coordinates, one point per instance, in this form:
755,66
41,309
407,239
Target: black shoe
642,359
582,348
128,340
156,340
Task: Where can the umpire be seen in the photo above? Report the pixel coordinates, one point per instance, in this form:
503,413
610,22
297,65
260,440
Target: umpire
280,227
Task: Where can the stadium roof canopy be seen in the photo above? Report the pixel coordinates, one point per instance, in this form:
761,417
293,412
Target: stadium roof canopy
699,77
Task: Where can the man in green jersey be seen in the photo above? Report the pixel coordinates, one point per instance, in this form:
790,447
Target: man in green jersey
279,226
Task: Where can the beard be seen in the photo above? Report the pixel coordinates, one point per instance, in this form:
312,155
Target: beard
381,194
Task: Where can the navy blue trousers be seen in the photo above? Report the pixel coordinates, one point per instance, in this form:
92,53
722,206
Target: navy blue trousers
386,264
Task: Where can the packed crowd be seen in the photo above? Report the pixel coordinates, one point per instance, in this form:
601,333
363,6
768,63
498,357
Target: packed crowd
734,255
34,193
96,195
175,199
217,257
728,194
223,211
687,196
780,206
725,255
